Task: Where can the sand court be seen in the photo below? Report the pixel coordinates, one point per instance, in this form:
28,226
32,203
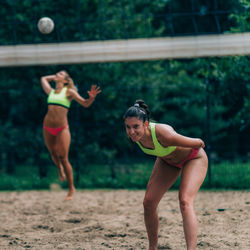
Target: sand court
113,219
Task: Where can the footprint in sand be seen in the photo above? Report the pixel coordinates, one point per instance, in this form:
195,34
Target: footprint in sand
75,221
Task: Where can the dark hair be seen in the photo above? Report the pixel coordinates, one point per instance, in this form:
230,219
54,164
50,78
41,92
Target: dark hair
139,110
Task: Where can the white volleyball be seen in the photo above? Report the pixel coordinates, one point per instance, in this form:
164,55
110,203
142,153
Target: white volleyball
45,25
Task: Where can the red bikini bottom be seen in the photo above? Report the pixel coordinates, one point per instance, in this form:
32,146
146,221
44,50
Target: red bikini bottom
192,155
54,131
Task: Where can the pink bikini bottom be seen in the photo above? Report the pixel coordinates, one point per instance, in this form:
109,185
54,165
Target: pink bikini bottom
192,155
54,131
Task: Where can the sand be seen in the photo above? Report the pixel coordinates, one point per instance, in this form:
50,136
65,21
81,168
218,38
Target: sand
113,219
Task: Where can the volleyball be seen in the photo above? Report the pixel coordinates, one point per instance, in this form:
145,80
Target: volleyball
45,25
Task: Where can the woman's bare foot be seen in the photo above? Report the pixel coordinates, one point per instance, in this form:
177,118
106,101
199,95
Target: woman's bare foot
70,194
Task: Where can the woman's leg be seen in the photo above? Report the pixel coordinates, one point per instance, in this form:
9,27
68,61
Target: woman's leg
162,178
50,142
63,143
193,175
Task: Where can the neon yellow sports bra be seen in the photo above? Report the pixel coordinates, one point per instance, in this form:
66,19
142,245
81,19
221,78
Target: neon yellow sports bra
59,98
158,150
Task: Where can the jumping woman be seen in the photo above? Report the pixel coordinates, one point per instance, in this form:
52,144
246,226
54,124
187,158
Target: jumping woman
55,125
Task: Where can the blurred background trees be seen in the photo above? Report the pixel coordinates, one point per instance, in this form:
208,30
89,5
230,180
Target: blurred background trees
175,90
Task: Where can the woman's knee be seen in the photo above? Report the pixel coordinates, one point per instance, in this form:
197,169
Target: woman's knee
63,158
149,205
186,202
53,155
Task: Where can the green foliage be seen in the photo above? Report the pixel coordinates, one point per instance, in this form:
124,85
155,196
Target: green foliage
172,89
24,181
225,175
242,19
175,90
85,20
230,175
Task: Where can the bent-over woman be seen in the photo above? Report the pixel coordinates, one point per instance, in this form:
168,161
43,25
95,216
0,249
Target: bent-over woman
175,155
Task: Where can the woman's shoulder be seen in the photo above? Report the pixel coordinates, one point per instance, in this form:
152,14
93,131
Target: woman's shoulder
161,127
164,133
70,92
51,91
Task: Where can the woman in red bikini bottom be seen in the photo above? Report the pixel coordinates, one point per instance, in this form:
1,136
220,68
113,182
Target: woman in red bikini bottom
175,155
55,126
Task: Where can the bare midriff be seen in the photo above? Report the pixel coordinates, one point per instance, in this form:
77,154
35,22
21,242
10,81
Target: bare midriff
178,155
56,116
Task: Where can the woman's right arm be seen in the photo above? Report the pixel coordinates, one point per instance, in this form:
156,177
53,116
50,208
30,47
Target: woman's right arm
45,83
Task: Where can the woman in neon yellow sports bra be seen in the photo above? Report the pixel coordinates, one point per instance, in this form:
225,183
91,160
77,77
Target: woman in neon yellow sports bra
176,154
55,126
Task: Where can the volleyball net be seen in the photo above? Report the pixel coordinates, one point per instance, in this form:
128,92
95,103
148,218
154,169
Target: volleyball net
126,50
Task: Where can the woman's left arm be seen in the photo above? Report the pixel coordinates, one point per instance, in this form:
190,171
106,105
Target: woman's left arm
93,92
184,141
171,138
